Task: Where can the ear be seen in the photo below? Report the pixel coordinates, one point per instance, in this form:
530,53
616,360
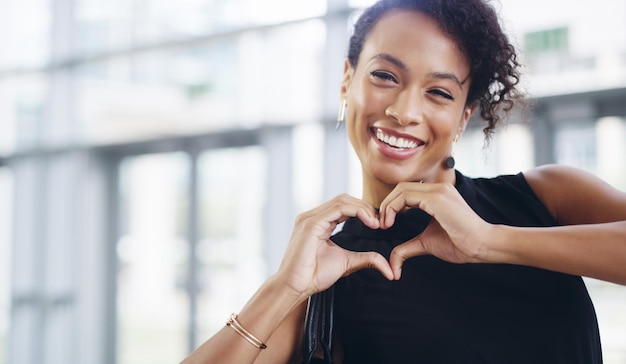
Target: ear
348,73
467,114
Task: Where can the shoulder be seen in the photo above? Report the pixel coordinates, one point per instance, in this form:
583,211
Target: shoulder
553,178
496,187
505,199
575,196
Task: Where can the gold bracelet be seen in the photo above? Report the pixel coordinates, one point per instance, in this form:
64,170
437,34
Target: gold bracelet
232,322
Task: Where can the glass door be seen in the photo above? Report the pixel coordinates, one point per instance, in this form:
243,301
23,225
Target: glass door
231,264
190,250
152,301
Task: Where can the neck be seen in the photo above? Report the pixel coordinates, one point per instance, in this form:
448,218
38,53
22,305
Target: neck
376,195
375,191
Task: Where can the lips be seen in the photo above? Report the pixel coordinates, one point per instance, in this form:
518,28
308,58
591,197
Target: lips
396,141
394,145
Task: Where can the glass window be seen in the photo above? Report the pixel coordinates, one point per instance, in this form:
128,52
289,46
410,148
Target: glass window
25,28
255,78
549,40
308,159
611,142
6,238
510,150
575,145
289,72
22,104
472,157
118,24
230,249
609,300
253,12
361,3
152,304
103,26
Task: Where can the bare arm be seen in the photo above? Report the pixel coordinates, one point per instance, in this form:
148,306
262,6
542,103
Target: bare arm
312,263
592,240
275,316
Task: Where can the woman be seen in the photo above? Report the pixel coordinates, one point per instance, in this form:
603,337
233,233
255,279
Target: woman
416,72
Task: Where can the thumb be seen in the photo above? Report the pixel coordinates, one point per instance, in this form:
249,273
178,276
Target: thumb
362,260
404,251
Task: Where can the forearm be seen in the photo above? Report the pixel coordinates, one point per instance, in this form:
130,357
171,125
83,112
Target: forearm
596,250
261,316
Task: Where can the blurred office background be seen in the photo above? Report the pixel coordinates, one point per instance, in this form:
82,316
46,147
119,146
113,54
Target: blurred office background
153,154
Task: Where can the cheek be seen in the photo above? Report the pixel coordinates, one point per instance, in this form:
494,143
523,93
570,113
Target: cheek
445,123
365,96
361,106
377,100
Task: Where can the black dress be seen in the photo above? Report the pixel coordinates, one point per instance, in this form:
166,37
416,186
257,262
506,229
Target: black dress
440,312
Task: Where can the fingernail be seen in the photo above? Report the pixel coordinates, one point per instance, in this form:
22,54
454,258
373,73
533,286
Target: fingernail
398,275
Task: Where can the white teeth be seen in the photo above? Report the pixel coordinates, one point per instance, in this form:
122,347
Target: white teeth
395,141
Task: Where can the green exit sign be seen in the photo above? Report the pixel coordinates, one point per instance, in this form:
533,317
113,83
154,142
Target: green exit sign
547,41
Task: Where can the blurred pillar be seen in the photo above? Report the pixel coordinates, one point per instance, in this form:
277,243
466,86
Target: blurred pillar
336,171
59,281
611,149
193,233
27,313
543,138
279,215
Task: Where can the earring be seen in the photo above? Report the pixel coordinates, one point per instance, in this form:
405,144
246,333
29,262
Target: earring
342,113
450,162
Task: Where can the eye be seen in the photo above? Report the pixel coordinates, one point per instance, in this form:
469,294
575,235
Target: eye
439,92
385,76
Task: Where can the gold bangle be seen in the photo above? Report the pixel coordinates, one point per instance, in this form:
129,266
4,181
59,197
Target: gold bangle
232,322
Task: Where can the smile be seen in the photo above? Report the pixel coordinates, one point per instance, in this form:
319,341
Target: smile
394,141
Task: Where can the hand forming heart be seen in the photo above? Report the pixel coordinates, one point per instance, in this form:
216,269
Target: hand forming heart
453,235
313,262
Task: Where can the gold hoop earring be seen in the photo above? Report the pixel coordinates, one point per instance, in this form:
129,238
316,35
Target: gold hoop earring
342,113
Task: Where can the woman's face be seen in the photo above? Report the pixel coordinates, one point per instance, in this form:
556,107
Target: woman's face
406,101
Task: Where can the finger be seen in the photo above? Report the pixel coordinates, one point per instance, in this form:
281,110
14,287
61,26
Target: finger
383,214
396,203
343,198
407,194
369,218
363,260
404,251
338,210
344,207
388,211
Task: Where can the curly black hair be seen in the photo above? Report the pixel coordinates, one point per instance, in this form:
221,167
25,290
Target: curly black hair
494,69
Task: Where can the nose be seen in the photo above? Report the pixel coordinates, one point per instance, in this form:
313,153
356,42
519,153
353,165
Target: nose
407,108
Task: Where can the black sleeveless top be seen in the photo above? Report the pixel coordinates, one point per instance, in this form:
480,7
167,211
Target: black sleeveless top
440,312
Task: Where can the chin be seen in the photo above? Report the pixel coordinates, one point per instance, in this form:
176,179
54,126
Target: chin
394,178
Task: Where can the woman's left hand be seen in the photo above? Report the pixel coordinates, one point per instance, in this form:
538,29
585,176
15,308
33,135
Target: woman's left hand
456,233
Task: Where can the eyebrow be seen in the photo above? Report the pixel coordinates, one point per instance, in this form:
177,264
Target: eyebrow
441,75
449,76
389,58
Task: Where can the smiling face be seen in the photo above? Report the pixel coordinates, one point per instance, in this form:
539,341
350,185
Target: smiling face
406,102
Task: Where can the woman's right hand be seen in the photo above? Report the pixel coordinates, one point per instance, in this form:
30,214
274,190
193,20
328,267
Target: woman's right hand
312,262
